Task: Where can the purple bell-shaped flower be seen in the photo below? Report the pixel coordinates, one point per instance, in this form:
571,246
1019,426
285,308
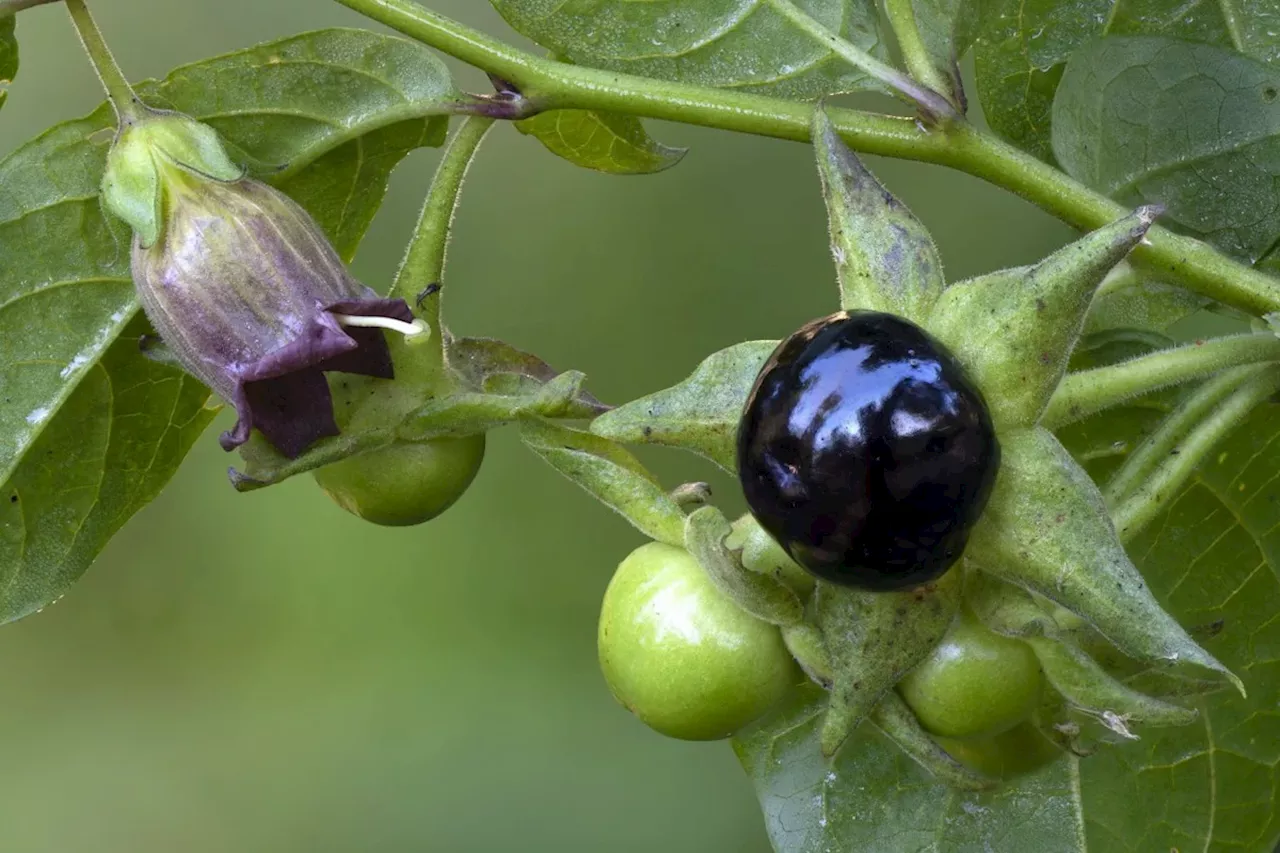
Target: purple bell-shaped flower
242,285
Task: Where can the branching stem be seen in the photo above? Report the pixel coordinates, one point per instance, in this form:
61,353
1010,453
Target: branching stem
1088,391
1156,473
423,264
548,84
929,102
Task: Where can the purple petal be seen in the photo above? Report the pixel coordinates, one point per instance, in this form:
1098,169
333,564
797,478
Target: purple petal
292,412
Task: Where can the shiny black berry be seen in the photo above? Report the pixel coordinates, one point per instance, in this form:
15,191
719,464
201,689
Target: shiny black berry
866,451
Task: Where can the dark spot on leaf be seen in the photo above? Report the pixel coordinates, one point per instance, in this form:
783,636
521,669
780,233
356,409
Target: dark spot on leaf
1269,94
13,499
1040,306
646,431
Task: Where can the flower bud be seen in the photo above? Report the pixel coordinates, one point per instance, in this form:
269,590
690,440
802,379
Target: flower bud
242,284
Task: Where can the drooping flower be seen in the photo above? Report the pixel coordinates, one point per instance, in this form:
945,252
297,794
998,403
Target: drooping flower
242,284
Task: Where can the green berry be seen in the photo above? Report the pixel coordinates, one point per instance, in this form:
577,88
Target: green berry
975,684
682,657
405,483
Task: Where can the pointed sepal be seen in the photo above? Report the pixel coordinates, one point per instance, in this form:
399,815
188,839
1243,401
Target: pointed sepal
1015,329
1087,686
1046,528
885,259
133,184
873,639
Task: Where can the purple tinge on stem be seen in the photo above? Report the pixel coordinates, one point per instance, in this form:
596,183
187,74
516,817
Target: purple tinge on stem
249,295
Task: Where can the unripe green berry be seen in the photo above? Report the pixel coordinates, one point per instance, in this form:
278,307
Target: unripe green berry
683,658
975,684
405,483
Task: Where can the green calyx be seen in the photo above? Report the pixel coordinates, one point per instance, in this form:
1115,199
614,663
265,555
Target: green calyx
1044,566
152,156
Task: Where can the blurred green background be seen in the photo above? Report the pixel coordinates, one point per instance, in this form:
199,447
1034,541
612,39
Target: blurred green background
266,673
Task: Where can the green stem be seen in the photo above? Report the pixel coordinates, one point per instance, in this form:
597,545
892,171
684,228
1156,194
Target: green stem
902,18
553,85
1088,391
1161,444
127,106
1172,454
423,263
928,101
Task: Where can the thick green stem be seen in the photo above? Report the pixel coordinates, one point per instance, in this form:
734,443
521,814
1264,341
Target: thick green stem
553,85
902,17
423,265
1187,447
929,102
1089,391
128,107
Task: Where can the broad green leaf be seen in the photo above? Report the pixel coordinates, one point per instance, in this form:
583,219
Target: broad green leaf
114,443
875,799
8,55
1212,785
1023,46
700,414
947,29
742,44
1192,126
66,296
605,142
344,188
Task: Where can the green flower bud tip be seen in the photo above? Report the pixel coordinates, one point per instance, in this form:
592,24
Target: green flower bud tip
242,284
133,186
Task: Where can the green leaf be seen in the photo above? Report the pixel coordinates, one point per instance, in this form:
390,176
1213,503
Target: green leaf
875,799
344,188
612,475
1023,46
742,44
117,437
65,291
605,142
8,55
700,414
497,367
1212,785
1191,126
947,29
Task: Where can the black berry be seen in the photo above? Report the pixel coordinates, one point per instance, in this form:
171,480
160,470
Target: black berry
866,451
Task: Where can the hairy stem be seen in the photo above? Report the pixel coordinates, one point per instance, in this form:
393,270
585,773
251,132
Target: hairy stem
1088,391
127,106
927,101
1164,441
554,85
902,17
1171,455
423,264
